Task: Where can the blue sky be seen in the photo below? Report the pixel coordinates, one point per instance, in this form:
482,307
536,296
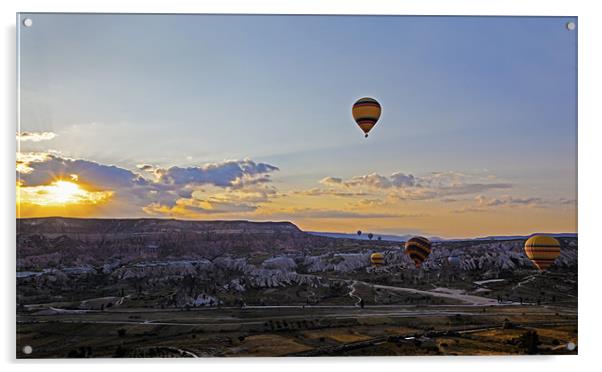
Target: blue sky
485,97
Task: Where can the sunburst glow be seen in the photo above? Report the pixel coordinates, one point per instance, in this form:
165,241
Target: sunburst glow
59,193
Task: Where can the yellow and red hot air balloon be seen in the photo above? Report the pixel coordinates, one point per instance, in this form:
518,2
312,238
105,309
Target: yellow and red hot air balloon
542,250
366,112
377,259
418,248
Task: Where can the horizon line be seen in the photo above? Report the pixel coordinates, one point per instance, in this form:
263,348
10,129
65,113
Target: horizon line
400,235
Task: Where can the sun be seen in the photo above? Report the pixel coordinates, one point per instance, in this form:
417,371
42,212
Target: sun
64,192
60,193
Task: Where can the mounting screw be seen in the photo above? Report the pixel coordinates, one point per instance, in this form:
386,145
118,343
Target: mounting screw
570,26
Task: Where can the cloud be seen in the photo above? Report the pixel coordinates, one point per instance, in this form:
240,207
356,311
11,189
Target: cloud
483,201
37,169
35,136
372,180
331,181
146,167
468,210
216,201
236,186
43,168
328,192
484,204
402,180
565,201
409,187
371,203
25,158
233,173
194,208
470,188
333,214
444,178
247,181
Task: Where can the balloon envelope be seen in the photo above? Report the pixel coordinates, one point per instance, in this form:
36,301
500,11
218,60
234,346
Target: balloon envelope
366,112
418,248
542,250
454,261
377,259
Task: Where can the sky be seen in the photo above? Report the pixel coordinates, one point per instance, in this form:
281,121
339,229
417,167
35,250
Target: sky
249,117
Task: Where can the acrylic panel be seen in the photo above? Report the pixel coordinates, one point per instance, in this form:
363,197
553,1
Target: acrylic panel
294,185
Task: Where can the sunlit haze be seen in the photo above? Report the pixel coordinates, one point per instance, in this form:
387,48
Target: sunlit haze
249,117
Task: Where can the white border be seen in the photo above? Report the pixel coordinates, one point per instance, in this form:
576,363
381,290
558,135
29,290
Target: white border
590,122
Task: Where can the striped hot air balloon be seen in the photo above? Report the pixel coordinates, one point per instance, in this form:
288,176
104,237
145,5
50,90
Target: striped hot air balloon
366,112
418,248
377,259
542,250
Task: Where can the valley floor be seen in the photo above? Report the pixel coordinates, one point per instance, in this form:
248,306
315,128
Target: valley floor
300,331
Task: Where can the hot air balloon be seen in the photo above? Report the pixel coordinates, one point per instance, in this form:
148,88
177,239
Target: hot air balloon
359,232
377,259
453,261
418,248
542,250
366,112
370,236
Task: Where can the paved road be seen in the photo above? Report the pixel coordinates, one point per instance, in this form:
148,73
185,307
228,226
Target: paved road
258,316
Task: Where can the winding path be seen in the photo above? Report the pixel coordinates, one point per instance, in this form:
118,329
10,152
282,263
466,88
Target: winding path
529,279
352,293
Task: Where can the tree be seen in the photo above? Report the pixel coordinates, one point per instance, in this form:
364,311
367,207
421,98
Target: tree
529,342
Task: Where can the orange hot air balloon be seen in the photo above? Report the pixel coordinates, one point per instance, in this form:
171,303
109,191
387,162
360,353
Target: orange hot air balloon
418,248
542,250
366,112
377,259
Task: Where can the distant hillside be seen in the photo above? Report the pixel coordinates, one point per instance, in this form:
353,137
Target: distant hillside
64,241
147,247
515,237
391,238
403,238
62,225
